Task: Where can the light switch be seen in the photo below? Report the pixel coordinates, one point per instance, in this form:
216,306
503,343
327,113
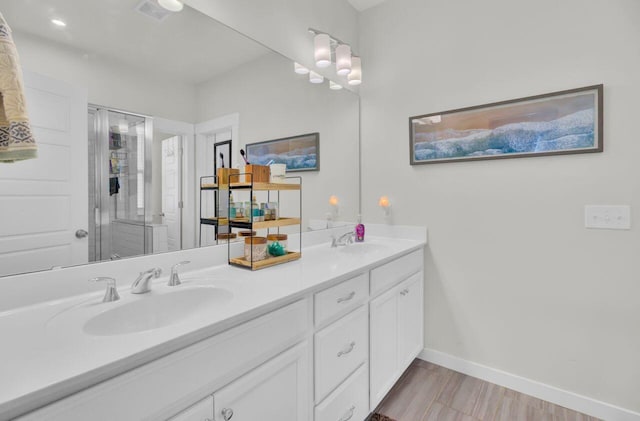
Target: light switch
607,217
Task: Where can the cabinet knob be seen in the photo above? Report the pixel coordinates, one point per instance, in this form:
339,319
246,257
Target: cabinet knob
348,350
349,414
227,413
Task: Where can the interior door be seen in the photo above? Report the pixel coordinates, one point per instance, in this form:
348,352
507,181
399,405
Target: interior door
171,191
44,208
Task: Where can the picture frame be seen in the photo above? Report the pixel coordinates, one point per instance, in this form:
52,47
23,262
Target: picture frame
299,153
557,123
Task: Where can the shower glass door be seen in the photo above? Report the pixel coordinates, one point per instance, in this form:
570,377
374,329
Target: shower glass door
122,174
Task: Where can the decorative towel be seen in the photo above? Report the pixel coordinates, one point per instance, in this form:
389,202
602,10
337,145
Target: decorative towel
16,139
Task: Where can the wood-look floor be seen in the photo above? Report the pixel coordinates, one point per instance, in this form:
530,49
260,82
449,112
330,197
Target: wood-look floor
428,392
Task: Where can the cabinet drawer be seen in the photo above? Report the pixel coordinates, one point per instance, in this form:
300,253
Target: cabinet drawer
349,401
201,411
339,349
393,272
341,297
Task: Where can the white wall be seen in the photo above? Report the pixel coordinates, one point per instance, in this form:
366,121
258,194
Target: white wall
513,279
274,102
108,82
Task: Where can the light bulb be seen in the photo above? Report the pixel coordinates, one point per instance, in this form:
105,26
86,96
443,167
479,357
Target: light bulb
355,76
300,69
322,50
343,59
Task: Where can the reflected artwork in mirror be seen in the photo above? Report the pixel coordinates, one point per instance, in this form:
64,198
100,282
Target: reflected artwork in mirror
127,104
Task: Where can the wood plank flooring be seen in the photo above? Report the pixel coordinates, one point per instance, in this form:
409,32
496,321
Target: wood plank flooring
428,392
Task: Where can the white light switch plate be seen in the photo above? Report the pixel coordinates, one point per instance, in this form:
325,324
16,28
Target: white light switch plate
607,217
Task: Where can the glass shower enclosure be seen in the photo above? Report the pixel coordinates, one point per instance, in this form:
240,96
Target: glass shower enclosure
120,176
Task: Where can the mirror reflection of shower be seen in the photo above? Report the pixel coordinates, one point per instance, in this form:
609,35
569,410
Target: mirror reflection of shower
132,210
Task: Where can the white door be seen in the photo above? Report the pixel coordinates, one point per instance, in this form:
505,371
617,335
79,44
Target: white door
277,390
44,200
171,195
410,320
383,345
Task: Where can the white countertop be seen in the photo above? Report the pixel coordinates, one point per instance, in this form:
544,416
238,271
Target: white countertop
45,355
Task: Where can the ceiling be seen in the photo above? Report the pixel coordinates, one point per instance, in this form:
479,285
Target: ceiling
361,5
187,46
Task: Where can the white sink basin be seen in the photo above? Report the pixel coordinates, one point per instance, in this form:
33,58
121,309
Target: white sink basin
139,313
362,248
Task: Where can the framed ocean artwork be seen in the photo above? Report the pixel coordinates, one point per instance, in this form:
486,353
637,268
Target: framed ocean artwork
299,153
566,122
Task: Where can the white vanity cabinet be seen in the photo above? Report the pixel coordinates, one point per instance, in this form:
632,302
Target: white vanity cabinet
329,354
396,320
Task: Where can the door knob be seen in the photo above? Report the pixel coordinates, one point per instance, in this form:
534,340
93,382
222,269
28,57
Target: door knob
81,234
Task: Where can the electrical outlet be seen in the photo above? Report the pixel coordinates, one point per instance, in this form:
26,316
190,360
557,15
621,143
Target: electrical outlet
607,217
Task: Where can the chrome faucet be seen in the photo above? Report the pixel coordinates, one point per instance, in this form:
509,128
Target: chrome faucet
174,280
346,238
111,293
142,284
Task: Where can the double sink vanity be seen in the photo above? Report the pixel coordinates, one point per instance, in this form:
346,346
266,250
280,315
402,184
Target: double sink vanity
322,338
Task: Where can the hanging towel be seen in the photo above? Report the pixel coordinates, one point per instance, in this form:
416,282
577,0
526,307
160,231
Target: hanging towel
16,139
114,186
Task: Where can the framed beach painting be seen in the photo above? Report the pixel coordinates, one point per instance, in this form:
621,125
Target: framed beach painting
299,153
566,122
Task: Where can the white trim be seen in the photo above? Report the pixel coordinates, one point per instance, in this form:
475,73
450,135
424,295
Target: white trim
533,388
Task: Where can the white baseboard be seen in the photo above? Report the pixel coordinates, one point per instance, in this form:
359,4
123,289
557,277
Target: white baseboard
533,388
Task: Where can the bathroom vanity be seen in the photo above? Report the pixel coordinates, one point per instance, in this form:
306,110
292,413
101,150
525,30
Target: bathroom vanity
322,338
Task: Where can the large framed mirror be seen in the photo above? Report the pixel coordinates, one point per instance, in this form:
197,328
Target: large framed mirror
127,109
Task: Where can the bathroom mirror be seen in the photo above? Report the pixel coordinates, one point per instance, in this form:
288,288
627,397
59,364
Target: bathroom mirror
144,94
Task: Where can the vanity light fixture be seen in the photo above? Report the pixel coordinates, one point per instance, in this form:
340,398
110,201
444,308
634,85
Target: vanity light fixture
334,86
172,5
355,76
58,22
343,59
322,50
315,78
300,69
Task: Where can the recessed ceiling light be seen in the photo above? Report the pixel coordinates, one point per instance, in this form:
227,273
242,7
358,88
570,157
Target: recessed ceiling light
58,22
172,5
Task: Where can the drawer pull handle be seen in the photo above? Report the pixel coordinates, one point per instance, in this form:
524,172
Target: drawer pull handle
347,416
404,291
348,350
347,297
227,414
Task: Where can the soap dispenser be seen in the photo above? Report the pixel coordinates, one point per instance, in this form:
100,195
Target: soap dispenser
359,230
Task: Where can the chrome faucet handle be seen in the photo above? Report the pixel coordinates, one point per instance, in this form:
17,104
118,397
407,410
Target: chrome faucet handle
174,279
142,283
111,294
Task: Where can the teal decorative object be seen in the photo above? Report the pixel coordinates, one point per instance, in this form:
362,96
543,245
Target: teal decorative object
276,249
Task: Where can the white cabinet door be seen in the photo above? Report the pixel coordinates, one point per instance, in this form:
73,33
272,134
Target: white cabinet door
279,390
201,411
396,320
410,320
383,344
